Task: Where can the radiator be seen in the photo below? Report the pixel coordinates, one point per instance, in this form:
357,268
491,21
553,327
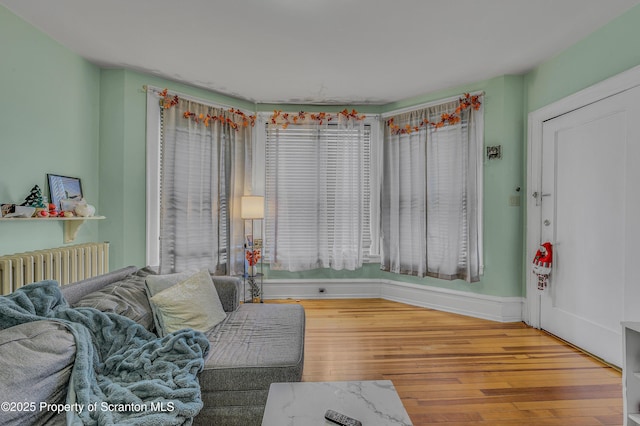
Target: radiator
64,264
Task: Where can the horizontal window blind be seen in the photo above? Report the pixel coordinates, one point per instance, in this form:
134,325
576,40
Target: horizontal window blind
308,169
447,163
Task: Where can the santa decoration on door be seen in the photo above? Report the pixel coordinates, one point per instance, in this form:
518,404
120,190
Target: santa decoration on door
542,264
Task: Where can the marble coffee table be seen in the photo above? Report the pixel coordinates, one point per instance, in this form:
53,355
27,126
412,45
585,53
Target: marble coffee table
374,403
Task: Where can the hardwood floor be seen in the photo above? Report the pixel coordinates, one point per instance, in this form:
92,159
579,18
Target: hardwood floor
454,370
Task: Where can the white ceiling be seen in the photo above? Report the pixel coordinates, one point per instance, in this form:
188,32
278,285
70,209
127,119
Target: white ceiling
320,51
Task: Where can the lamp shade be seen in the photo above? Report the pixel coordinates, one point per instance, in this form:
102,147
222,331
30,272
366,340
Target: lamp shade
252,207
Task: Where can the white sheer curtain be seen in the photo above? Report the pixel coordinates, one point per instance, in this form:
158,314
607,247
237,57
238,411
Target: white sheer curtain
317,195
432,195
204,172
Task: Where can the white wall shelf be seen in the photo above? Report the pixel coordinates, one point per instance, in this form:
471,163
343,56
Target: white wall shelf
71,224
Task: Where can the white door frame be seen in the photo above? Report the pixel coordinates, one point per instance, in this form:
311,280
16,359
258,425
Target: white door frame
609,87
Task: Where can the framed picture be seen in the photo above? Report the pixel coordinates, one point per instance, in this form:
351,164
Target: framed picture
64,191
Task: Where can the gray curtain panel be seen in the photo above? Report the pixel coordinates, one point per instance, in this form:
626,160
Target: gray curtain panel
205,169
431,202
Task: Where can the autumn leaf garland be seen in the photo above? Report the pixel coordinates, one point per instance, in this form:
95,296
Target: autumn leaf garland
167,101
280,118
284,120
466,102
245,120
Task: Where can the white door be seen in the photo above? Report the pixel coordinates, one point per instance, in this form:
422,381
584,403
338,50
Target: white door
590,212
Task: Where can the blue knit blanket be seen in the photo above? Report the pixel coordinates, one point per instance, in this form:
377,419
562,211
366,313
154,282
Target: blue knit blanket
123,374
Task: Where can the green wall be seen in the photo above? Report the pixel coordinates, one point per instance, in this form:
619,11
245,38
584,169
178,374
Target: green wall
604,53
48,124
70,117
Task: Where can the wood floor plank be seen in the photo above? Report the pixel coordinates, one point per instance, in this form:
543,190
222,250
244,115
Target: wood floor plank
454,370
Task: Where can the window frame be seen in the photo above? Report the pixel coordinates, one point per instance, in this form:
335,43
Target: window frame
374,123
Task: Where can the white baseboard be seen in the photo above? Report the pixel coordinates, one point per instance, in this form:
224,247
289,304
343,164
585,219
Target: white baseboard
495,308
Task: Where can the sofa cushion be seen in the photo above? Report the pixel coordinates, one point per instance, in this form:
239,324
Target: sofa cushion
192,303
36,359
76,291
126,297
157,283
254,346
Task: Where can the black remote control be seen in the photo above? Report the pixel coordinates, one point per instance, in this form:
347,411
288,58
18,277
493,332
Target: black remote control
341,419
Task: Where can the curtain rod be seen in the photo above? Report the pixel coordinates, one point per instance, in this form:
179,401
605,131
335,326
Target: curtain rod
206,102
157,90
428,104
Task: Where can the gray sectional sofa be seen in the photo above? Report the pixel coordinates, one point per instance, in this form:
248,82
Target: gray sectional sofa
254,346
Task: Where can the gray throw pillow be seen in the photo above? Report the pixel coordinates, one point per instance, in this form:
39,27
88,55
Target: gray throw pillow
126,297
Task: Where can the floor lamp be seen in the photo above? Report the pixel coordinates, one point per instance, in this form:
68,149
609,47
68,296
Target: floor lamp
252,209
